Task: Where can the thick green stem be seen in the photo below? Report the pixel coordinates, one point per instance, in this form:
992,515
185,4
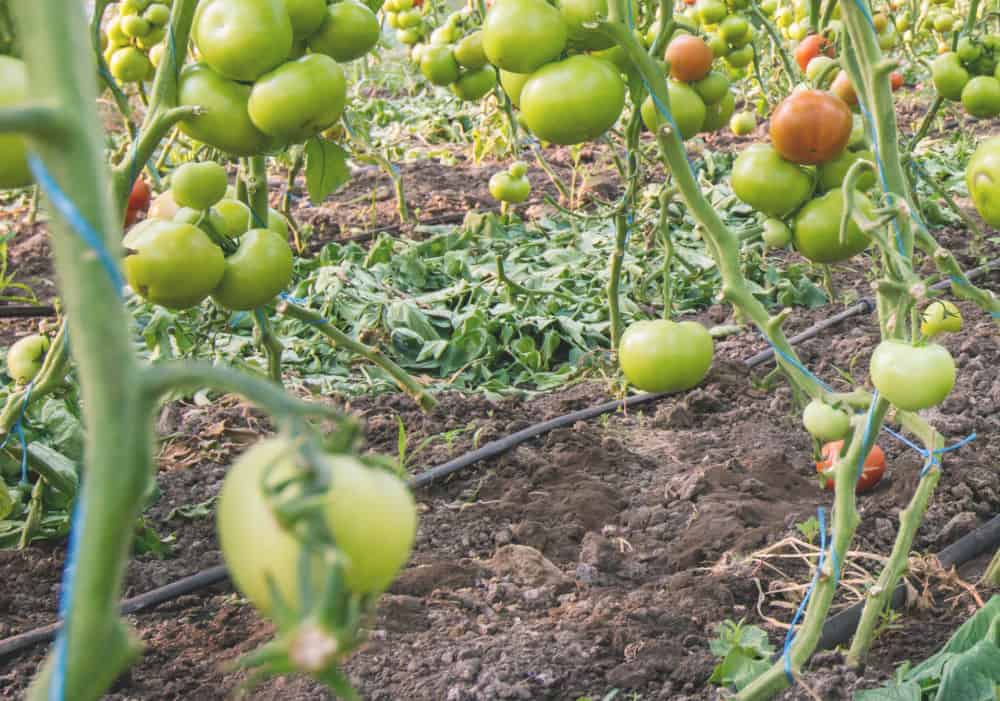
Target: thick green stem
614,278
372,355
43,119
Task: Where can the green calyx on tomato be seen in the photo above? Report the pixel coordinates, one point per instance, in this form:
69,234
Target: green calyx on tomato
939,317
665,356
817,228
824,422
171,263
686,108
573,100
299,99
982,176
349,31
25,357
199,185
14,170
768,183
242,39
225,123
912,377
260,268
521,36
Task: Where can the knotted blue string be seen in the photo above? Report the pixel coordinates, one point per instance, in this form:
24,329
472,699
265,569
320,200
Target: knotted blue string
931,457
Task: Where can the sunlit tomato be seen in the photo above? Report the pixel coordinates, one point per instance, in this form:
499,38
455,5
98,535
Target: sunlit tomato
573,100
941,316
349,31
982,176
230,218
199,185
163,206
769,183
811,47
811,126
981,97
734,30
306,16
818,67
575,14
817,228
225,123
520,36
871,473
505,187
474,85
949,76
259,269
711,11
743,123
469,52
912,377
298,99
171,263
686,108
824,422
25,358
242,39
129,65
665,356
690,58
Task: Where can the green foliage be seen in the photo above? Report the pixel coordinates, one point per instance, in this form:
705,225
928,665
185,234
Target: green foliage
745,652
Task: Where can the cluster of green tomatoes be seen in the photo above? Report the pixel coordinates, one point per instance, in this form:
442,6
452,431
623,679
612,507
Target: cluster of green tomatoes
268,72
460,64
971,74
407,18
133,39
730,34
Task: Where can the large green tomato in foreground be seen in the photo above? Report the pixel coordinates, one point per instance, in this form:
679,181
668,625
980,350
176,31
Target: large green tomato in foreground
817,228
170,263
242,39
575,14
665,356
13,152
574,100
520,36
226,124
349,31
298,99
259,269
912,377
369,512
769,183
949,76
25,357
982,175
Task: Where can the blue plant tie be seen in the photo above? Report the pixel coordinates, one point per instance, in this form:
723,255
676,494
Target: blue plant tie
18,429
796,364
790,635
57,685
931,457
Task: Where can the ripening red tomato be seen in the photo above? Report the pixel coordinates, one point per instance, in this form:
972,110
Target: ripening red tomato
811,127
896,80
138,202
810,48
690,58
871,474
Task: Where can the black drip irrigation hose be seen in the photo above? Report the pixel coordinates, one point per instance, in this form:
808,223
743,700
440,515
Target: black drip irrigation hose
21,311
835,631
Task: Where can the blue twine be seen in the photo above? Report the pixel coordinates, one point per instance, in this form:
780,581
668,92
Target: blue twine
797,365
864,10
18,429
790,635
71,214
931,457
237,319
57,686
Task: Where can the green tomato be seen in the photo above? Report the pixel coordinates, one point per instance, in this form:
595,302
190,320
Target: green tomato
230,217
438,65
364,507
574,100
718,45
225,124
712,88
259,269
153,38
513,84
277,223
507,188
170,263
743,123
129,65
521,36
832,173
734,29
242,39
306,16
982,176
981,97
299,99
817,228
14,170
443,36
410,19
944,22
349,31
665,356
475,85
686,108
768,7
768,183
469,52
576,13
134,26
824,422
949,76
132,7
776,233
25,358
738,58
157,14
718,115
940,317
819,66
912,377
199,185
711,11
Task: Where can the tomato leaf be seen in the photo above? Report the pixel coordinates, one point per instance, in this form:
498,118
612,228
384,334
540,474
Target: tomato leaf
326,169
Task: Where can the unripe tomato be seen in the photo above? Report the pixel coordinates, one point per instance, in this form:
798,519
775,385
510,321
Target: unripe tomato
832,173
230,217
507,188
818,67
573,100
981,97
798,30
306,16
769,183
811,47
940,317
665,356
575,14
888,40
743,123
824,422
349,31
776,233
170,263
298,99
513,84
277,223
369,512
156,54
25,358
844,89
439,66
717,115
880,22
442,36
711,11
469,52
134,26
712,88
520,36
690,58
949,76
741,57
474,85
163,206
944,22
410,19
686,108
817,228
129,65
768,7
718,46
912,377
153,38
811,126
982,176
259,269
871,472
199,185
226,124
242,39
157,14
734,30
